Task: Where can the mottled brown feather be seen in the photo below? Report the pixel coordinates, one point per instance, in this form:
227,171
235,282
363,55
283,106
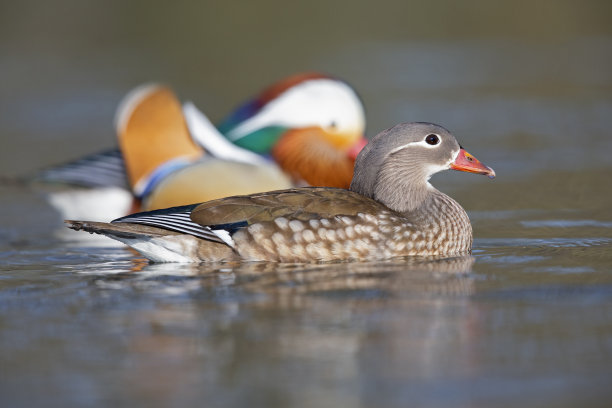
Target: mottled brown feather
297,203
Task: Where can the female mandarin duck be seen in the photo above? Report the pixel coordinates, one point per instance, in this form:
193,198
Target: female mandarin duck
311,125
389,210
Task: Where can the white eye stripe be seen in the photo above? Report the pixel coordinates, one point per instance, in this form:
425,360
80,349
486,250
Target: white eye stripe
420,143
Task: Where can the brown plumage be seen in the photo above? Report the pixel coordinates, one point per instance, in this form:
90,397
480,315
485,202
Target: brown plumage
390,210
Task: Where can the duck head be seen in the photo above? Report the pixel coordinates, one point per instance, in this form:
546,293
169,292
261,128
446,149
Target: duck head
395,166
311,124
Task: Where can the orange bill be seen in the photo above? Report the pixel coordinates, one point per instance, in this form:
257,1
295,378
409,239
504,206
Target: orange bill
467,162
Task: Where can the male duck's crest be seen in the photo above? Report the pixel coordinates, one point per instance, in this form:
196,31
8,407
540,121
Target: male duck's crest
311,124
300,101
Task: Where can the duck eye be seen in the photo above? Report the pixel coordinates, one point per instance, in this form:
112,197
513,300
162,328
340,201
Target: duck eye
432,139
333,124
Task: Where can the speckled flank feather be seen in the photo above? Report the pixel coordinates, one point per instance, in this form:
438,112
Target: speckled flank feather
363,236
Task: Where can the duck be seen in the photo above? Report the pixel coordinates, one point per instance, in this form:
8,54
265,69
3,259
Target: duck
389,210
306,129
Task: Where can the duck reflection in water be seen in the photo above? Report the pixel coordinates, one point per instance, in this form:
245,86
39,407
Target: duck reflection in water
410,275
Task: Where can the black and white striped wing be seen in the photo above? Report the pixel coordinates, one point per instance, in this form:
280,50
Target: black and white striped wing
178,219
104,169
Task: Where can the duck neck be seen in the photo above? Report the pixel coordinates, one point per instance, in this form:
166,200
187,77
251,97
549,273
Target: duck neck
436,209
446,221
400,189
404,199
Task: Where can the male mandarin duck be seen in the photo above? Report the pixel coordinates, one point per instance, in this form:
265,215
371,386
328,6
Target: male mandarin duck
389,210
311,125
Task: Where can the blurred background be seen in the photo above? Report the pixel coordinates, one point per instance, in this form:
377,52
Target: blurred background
519,76
526,86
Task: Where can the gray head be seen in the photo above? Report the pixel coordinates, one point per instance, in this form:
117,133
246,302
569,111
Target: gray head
395,166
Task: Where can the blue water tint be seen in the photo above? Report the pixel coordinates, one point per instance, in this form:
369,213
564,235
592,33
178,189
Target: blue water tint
563,270
509,260
566,223
542,242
